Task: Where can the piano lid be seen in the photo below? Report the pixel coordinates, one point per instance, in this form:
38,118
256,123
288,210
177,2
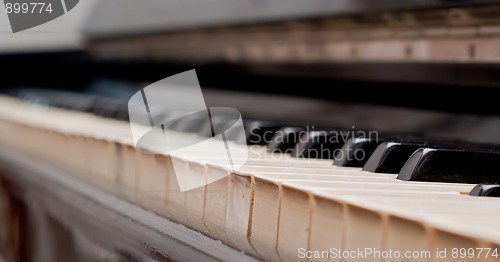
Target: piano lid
127,17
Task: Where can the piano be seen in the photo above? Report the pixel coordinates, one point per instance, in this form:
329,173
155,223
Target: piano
253,131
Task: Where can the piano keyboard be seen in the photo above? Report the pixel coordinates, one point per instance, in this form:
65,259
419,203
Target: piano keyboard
276,207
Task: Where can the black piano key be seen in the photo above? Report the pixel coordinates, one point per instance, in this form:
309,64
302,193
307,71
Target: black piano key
454,166
121,114
84,104
120,109
490,190
390,157
356,151
285,139
106,107
34,96
261,132
318,144
62,100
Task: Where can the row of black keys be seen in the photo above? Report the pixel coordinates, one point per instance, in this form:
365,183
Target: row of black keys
413,159
108,107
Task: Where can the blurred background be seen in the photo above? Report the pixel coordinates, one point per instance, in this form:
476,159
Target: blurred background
424,55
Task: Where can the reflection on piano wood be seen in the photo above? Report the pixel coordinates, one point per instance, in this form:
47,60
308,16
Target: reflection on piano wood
271,208
463,34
